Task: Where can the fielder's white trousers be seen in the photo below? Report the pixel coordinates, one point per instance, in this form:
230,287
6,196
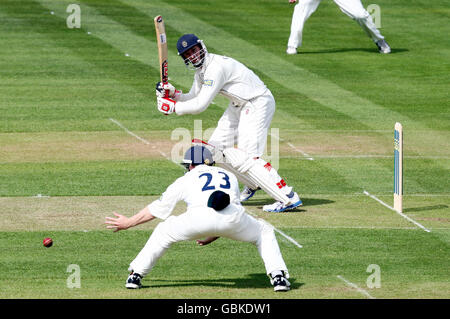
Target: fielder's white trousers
246,125
352,8
201,222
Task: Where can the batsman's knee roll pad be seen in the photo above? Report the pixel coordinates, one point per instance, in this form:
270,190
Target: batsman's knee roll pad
239,159
257,171
218,200
243,178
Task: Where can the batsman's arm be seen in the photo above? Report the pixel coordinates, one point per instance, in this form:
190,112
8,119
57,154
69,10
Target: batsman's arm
121,222
193,92
208,91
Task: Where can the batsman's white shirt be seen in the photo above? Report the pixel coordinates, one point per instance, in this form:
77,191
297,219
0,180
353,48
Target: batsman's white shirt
200,221
251,108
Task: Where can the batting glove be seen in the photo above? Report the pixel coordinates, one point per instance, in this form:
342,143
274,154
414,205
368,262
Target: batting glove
166,105
166,90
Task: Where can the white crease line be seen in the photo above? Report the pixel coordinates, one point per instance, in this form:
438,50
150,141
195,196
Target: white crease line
364,292
129,132
370,156
401,214
276,137
293,147
352,227
142,140
361,194
288,238
306,155
40,196
277,230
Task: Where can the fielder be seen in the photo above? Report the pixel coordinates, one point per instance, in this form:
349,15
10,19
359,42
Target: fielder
352,8
246,121
213,210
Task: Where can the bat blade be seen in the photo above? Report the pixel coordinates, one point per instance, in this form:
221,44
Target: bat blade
162,48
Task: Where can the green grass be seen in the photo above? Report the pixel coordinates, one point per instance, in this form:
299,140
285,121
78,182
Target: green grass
62,89
187,267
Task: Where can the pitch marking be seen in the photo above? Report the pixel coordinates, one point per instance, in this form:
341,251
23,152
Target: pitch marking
306,155
392,208
289,238
364,292
141,139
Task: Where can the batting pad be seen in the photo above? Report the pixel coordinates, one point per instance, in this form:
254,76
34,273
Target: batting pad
255,170
244,179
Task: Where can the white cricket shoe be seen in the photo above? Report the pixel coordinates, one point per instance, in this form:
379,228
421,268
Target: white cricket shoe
291,50
247,193
134,281
383,47
280,282
279,207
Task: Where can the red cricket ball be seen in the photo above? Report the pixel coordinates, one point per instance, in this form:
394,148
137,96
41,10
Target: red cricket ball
48,242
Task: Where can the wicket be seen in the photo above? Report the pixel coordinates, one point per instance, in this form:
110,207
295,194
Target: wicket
398,167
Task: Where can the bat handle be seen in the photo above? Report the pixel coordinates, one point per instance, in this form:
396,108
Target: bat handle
166,92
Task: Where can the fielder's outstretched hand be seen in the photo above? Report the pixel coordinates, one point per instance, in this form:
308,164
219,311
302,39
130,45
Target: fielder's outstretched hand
117,223
206,241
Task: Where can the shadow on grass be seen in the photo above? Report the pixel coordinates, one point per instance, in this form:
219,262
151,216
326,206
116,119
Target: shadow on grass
420,209
251,281
343,50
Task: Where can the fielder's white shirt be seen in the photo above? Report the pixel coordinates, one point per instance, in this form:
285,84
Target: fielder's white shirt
220,75
194,188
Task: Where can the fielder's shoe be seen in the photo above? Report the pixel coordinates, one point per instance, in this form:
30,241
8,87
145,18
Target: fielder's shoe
280,283
134,281
291,50
383,47
279,207
247,193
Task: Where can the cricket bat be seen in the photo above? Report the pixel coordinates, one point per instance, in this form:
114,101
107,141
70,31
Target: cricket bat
162,50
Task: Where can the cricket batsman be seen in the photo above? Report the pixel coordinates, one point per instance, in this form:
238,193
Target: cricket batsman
246,121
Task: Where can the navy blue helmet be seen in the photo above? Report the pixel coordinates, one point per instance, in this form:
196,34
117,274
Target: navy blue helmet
196,155
187,42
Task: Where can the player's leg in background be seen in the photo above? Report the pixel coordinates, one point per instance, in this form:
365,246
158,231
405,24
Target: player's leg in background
302,11
355,10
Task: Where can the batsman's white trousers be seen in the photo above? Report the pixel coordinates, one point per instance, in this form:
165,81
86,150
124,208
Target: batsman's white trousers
201,222
246,125
352,8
